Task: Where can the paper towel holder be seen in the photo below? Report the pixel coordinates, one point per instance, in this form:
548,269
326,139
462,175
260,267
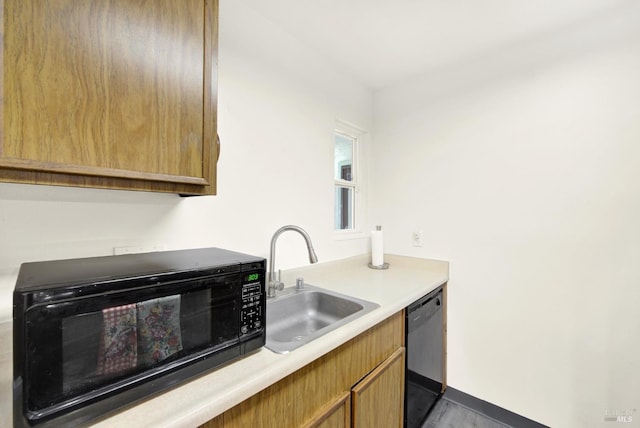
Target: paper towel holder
383,265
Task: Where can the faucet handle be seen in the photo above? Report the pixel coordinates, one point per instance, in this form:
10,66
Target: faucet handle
300,284
279,283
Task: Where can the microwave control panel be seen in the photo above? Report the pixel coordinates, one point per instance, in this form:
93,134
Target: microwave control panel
253,304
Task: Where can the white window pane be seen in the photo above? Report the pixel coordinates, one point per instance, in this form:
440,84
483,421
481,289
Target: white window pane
344,208
343,158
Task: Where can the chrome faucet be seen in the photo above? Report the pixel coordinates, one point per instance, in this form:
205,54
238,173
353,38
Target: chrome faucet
275,283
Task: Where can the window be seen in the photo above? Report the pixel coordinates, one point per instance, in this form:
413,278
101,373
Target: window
349,183
345,182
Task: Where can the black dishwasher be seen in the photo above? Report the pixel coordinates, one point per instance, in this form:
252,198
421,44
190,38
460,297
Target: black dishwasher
424,365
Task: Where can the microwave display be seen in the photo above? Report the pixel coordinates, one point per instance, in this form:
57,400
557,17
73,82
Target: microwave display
79,348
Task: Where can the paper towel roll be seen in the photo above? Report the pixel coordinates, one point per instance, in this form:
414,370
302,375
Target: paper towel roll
377,249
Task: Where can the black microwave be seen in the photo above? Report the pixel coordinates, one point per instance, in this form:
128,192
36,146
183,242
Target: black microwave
92,335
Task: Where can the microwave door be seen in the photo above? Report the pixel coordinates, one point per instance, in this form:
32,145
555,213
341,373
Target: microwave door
86,348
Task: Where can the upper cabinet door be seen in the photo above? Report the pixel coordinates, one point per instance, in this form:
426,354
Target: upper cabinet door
110,93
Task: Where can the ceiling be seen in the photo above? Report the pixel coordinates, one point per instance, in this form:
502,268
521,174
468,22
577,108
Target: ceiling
383,42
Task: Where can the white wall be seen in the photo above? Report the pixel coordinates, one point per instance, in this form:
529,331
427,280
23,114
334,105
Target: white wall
522,167
278,103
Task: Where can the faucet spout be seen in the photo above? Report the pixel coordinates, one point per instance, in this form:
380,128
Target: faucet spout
274,283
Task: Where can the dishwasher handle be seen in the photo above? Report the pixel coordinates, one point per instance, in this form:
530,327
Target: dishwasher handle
421,311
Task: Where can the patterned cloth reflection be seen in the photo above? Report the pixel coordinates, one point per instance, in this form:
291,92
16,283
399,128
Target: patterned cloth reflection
159,334
118,345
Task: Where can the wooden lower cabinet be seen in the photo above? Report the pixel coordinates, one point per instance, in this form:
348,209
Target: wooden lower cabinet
365,374
336,414
377,400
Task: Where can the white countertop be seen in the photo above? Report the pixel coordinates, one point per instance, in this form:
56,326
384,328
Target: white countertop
201,399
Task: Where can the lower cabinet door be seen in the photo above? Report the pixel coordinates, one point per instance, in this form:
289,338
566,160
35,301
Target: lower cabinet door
378,399
336,414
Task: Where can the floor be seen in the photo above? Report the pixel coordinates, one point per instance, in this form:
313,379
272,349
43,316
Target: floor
419,401
447,414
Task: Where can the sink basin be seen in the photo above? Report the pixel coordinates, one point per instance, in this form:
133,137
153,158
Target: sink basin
296,317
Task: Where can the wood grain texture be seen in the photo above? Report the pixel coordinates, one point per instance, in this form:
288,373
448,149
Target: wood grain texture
117,89
296,399
217,422
336,414
378,400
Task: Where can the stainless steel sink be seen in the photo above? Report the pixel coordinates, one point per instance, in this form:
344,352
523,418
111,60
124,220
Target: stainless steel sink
296,317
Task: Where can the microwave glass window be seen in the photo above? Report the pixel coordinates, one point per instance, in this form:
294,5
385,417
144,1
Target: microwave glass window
110,344
121,339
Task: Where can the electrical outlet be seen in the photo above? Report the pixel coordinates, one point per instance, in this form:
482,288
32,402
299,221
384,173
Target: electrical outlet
133,249
417,238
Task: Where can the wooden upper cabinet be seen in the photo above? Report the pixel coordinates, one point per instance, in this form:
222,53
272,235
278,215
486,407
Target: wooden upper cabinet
110,93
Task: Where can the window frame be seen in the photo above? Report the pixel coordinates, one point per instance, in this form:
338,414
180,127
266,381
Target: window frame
357,135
